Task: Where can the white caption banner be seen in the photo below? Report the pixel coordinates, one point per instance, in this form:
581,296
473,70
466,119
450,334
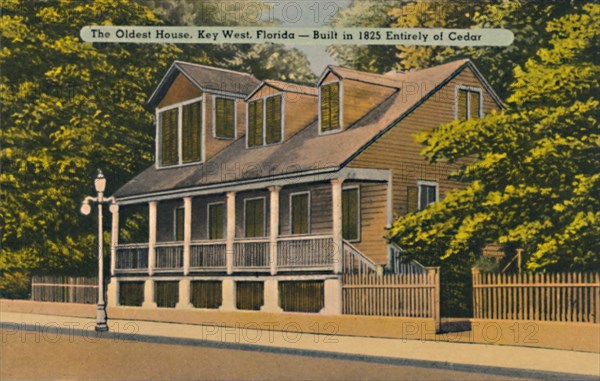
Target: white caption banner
300,36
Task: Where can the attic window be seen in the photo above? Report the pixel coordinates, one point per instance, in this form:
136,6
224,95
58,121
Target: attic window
224,118
468,103
330,107
265,121
180,134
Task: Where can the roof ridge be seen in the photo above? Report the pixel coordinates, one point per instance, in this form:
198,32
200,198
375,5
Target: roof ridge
215,68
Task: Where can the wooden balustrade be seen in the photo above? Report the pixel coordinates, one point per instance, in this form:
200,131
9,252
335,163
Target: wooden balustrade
251,254
131,257
169,255
305,253
208,256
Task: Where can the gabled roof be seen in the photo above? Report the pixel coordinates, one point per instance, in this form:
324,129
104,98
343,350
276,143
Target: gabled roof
305,151
285,87
206,78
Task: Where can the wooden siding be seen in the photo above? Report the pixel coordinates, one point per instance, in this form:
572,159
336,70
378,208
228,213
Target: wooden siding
358,98
398,150
320,208
214,145
165,220
330,78
373,219
181,90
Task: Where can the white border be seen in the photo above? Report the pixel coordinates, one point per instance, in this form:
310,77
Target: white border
468,89
264,215
427,183
208,220
359,211
341,107
291,217
214,117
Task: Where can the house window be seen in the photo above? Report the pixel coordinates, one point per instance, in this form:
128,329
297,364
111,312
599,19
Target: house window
216,220
265,128
468,103
255,123
180,134
330,107
273,120
179,221
254,215
351,214
300,213
224,118
427,193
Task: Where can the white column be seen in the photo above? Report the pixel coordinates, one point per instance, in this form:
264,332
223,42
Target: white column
149,294
230,236
184,295
336,193
228,289
114,237
333,297
271,296
151,237
274,227
187,233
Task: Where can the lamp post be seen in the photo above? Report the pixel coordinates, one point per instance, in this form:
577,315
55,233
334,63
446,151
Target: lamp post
100,185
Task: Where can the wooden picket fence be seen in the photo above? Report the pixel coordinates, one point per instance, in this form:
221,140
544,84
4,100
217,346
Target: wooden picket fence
561,297
403,295
64,289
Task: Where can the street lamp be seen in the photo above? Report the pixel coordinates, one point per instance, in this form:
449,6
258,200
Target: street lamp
100,185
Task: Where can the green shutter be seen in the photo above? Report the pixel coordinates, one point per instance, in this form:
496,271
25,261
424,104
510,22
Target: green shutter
300,213
255,218
474,103
412,197
273,121
462,104
255,123
330,107
179,222
169,153
224,118
350,210
215,221
191,133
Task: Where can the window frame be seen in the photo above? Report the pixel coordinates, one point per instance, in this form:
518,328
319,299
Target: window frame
469,90
208,221
214,117
264,216
175,210
264,120
358,212
308,217
340,111
429,183
158,136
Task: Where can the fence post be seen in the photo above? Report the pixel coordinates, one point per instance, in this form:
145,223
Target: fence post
433,274
474,291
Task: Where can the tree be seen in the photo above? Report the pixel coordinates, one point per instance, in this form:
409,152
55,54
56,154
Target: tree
533,179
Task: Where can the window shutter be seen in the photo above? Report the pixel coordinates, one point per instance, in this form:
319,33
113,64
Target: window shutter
192,132
330,107
325,105
255,219
215,217
474,104
168,130
224,118
350,210
462,104
273,121
300,211
255,123
412,195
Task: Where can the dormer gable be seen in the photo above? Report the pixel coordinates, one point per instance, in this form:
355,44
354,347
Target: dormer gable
277,110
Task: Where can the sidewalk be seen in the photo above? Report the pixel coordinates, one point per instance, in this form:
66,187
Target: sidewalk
469,356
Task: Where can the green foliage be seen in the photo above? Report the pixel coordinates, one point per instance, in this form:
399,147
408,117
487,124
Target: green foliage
533,179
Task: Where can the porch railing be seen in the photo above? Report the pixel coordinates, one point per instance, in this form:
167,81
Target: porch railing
355,262
131,257
208,256
251,254
169,255
303,253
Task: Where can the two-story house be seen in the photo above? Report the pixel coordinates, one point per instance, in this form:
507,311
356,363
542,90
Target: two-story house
264,193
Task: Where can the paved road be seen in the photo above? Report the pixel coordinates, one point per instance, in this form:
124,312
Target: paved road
35,356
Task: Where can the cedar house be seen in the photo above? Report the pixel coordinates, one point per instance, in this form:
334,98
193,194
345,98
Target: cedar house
263,194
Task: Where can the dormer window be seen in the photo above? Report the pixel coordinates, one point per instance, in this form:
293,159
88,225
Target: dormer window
180,133
265,121
468,103
224,115
329,96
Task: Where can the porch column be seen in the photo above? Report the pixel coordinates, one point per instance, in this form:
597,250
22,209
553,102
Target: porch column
274,228
114,237
187,234
149,294
151,237
228,292
184,295
271,296
333,297
336,193
230,233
